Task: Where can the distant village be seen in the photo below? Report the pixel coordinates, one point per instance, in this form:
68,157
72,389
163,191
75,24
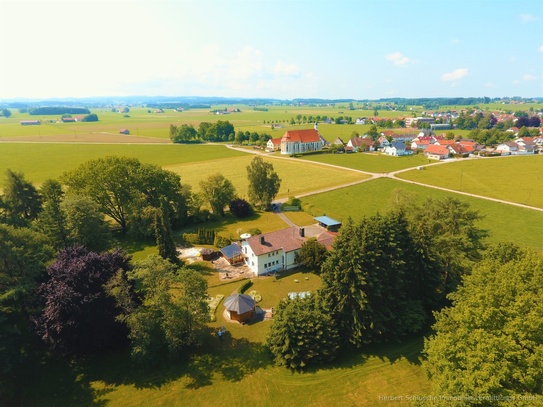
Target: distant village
428,139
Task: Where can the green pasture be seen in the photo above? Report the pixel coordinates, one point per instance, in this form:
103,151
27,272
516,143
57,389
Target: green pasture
514,178
297,177
370,162
506,223
40,161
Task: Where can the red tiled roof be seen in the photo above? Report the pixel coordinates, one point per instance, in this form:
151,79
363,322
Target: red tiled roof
437,149
303,136
286,239
276,141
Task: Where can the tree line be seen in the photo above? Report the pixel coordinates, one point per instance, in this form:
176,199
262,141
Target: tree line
57,110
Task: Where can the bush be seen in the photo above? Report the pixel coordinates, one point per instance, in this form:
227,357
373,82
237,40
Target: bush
221,241
240,208
206,236
254,231
243,287
191,238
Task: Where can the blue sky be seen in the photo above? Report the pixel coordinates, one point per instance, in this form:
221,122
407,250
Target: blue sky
270,48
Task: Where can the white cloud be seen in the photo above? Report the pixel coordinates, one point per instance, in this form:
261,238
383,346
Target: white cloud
284,69
528,18
454,75
397,58
529,77
540,48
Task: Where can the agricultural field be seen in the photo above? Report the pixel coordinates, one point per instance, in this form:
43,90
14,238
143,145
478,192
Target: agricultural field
40,161
370,162
506,223
514,178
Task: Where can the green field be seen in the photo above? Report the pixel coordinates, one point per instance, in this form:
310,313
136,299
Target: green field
506,223
40,161
515,178
297,177
374,162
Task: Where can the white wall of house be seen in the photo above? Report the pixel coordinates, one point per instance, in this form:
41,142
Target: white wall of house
276,260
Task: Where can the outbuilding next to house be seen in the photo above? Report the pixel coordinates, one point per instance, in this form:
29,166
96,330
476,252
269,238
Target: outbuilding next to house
328,223
232,253
240,307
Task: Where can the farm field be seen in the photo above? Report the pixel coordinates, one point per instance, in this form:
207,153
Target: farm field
515,178
40,161
370,162
297,177
506,223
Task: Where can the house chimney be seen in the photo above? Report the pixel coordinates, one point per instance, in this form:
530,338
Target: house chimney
262,241
302,232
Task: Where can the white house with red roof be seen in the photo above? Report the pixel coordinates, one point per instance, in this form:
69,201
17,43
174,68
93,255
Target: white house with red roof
360,144
301,141
273,144
276,251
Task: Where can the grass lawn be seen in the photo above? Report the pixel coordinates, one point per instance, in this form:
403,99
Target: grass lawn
370,162
506,223
236,370
514,178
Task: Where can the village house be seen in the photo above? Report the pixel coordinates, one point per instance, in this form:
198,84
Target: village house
273,144
301,141
274,251
436,152
356,144
397,148
507,148
418,144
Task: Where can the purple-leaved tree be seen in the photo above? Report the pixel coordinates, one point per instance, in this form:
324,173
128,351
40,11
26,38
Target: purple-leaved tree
79,315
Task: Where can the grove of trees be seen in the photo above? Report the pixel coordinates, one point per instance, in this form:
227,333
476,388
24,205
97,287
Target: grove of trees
489,343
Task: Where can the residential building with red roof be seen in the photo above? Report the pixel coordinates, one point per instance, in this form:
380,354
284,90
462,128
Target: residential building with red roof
436,152
273,144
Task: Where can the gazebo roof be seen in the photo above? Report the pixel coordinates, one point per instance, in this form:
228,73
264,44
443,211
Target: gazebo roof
240,303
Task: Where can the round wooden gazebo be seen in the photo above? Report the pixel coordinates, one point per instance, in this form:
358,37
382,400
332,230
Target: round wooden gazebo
240,307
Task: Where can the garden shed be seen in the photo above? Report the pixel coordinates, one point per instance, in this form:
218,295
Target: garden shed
232,253
207,254
240,307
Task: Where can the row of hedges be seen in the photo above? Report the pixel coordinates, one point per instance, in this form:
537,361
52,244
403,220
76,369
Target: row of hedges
206,236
